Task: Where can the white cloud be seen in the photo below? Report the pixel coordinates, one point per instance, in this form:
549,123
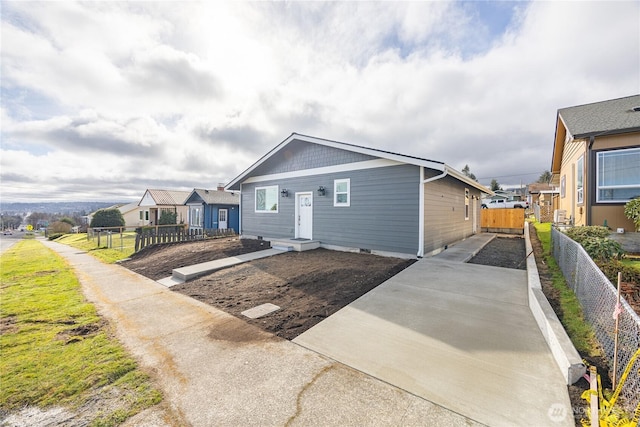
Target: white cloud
190,94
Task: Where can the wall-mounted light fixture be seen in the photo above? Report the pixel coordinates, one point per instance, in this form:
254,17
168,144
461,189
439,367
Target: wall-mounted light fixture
284,192
321,191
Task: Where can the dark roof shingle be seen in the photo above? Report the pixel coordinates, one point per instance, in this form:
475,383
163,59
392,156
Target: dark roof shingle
606,117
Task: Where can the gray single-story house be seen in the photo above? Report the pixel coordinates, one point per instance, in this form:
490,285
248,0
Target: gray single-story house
213,210
354,198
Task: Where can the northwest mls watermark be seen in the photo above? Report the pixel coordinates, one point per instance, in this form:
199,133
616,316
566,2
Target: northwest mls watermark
559,412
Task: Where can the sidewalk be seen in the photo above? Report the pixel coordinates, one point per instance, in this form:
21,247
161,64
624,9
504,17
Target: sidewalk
216,369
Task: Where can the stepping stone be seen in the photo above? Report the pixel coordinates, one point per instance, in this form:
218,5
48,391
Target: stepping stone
259,311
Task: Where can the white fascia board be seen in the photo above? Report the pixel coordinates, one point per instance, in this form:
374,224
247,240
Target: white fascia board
461,177
342,146
346,167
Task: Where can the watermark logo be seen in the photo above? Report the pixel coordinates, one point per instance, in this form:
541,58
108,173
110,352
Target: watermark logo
557,412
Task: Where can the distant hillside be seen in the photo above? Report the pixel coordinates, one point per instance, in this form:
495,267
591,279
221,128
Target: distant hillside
63,208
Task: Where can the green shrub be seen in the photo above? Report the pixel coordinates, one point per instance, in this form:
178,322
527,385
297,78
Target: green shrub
107,218
54,236
611,268
580,233
602,249
632,211
168,218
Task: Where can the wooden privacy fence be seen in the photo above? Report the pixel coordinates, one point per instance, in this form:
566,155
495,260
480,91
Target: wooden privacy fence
502,220
147,236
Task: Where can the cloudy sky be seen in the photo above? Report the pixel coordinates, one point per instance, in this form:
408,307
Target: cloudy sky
102,100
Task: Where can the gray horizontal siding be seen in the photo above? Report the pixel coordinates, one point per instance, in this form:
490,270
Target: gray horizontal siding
383,216
300,155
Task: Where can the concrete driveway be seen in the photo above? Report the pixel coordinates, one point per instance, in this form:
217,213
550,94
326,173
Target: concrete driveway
459,335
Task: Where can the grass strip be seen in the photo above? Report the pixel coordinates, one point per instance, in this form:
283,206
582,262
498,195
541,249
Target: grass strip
56,350
80,241
572,318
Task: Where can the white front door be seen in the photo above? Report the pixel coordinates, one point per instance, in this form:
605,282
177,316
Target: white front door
474,212
222,218
304,215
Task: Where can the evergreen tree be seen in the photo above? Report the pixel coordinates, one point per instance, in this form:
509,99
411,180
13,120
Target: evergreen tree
107,218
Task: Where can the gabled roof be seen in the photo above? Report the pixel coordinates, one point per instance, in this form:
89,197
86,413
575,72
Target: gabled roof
402,158
610,117
167,197
127,208
606,117
216,197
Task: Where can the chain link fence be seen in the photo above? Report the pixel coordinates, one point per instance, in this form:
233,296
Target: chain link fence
598,298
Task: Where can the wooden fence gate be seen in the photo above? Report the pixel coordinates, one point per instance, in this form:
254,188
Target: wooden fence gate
510,221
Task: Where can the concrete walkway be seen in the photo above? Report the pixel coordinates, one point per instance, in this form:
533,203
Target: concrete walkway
216,369
459,335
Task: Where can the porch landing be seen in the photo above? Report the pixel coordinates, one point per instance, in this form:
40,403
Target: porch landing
297,245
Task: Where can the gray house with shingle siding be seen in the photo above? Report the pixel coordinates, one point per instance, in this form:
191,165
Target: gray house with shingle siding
349,197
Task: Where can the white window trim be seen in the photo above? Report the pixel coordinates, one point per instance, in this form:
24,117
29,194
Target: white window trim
467,196
580,173
335,192
255,202
598,186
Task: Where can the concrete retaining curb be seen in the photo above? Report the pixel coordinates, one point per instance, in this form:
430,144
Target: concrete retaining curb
567,357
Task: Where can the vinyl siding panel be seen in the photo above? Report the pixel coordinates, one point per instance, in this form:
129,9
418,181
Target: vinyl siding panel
299,155
444,210
383,214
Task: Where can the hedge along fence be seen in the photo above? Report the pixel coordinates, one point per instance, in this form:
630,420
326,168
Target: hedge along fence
159,234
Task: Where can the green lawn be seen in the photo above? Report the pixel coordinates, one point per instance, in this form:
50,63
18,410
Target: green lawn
56,350
122,246
580,332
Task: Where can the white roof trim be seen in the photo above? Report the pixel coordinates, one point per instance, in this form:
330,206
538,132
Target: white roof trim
345,167
343,146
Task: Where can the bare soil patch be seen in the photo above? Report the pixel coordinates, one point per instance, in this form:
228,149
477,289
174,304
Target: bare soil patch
307,286
157,262
506,252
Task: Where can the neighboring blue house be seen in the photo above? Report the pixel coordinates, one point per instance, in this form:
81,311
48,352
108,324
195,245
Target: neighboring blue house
349,197
213,209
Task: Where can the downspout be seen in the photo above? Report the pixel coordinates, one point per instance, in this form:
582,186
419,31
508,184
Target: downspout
424,181
591,181
240,212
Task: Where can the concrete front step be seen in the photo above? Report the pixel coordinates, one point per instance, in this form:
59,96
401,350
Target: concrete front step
193,271
295,244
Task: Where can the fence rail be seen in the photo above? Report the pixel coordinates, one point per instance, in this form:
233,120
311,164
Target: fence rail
598,298
137,238
149,236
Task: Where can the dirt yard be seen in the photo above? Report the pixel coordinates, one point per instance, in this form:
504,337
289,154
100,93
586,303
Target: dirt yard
308,286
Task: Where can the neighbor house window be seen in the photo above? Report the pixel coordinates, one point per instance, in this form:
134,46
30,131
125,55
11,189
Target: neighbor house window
618,175
267,199
342,192
580,180
196,219
466,203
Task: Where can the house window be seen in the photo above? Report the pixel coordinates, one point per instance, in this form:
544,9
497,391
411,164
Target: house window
618,175
267,199
563,186
146,215
342,192
196,219
580,180
141,215
466,203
